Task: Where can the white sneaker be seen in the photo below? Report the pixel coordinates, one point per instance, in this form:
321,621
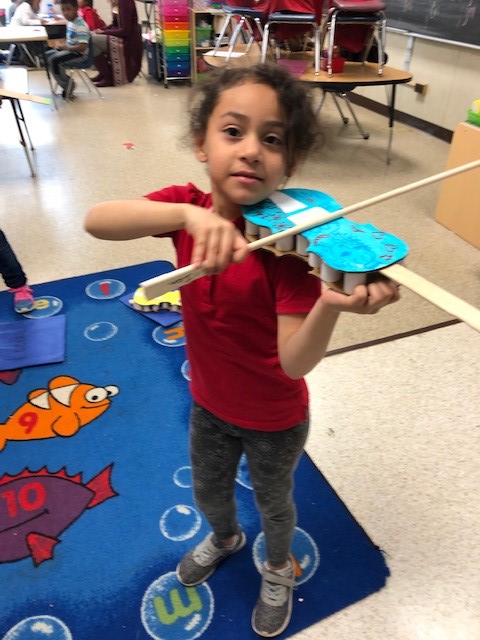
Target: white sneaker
199,563
273,610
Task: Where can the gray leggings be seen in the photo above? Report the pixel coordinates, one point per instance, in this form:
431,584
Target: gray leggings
215,449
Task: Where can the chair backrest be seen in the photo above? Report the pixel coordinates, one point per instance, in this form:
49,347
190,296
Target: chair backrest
358,6
355,20
89,60
260,5
90,51
297,8
83,63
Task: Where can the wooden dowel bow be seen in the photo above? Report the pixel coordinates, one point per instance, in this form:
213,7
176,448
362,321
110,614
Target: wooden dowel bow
159,285
433,293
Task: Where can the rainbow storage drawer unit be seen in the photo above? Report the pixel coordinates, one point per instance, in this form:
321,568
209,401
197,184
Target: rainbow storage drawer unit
175,26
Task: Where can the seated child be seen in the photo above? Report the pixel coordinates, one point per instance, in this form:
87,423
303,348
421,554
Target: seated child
14,277
26,15
90,15
75,47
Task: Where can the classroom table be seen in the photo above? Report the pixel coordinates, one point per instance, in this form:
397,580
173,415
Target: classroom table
355,74
14,87
24,35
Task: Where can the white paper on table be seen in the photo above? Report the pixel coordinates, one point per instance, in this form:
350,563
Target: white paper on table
224,54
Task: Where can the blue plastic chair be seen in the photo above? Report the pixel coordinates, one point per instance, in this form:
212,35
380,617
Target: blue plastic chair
80,68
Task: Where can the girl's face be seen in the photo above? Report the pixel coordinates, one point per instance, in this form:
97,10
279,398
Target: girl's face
244,147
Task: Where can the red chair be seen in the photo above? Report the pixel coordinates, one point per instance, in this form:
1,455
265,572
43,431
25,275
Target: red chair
352,26
288,18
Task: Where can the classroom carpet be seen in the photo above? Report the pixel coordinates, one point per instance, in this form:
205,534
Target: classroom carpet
96,503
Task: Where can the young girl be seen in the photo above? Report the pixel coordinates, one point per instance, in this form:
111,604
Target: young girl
255,326
14,277
90,15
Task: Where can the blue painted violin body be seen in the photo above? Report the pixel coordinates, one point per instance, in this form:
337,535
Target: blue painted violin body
341,252
341,244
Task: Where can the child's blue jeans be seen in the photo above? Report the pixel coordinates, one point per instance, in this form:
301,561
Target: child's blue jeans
215,449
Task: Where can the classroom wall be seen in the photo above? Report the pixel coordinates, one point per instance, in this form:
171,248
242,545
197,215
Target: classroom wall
452,73
102,6
104,9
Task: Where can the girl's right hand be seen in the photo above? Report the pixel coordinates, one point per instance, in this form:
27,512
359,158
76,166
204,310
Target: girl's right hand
217,241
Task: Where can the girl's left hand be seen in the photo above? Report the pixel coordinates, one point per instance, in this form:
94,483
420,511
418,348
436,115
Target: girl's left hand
366,299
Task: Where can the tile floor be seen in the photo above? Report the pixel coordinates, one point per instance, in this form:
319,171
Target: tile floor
395,425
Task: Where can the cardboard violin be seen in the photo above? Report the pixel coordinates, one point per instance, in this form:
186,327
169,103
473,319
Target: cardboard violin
312,225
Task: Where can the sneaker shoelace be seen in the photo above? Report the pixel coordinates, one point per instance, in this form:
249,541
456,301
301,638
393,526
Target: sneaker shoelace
274,594
208,552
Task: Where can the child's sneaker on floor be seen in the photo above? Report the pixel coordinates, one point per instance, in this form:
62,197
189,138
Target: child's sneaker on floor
199,563
67,93
273,610
23,300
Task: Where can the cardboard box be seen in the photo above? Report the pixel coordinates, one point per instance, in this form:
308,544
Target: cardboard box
458,206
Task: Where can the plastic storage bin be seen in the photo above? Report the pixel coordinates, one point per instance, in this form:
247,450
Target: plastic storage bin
178,49
177,11
172,38
178,69
203,34
153,52
174,17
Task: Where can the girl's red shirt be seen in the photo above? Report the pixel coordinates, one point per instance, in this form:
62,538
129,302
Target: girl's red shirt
92,18
230,321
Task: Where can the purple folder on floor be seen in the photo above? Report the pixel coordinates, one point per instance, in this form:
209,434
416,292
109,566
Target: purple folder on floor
25,342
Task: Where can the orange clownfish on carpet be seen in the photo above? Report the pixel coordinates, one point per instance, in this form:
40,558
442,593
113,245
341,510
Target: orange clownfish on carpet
60,410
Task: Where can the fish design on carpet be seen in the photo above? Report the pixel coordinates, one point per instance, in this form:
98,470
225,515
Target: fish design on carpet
61,410
37,506
297,569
